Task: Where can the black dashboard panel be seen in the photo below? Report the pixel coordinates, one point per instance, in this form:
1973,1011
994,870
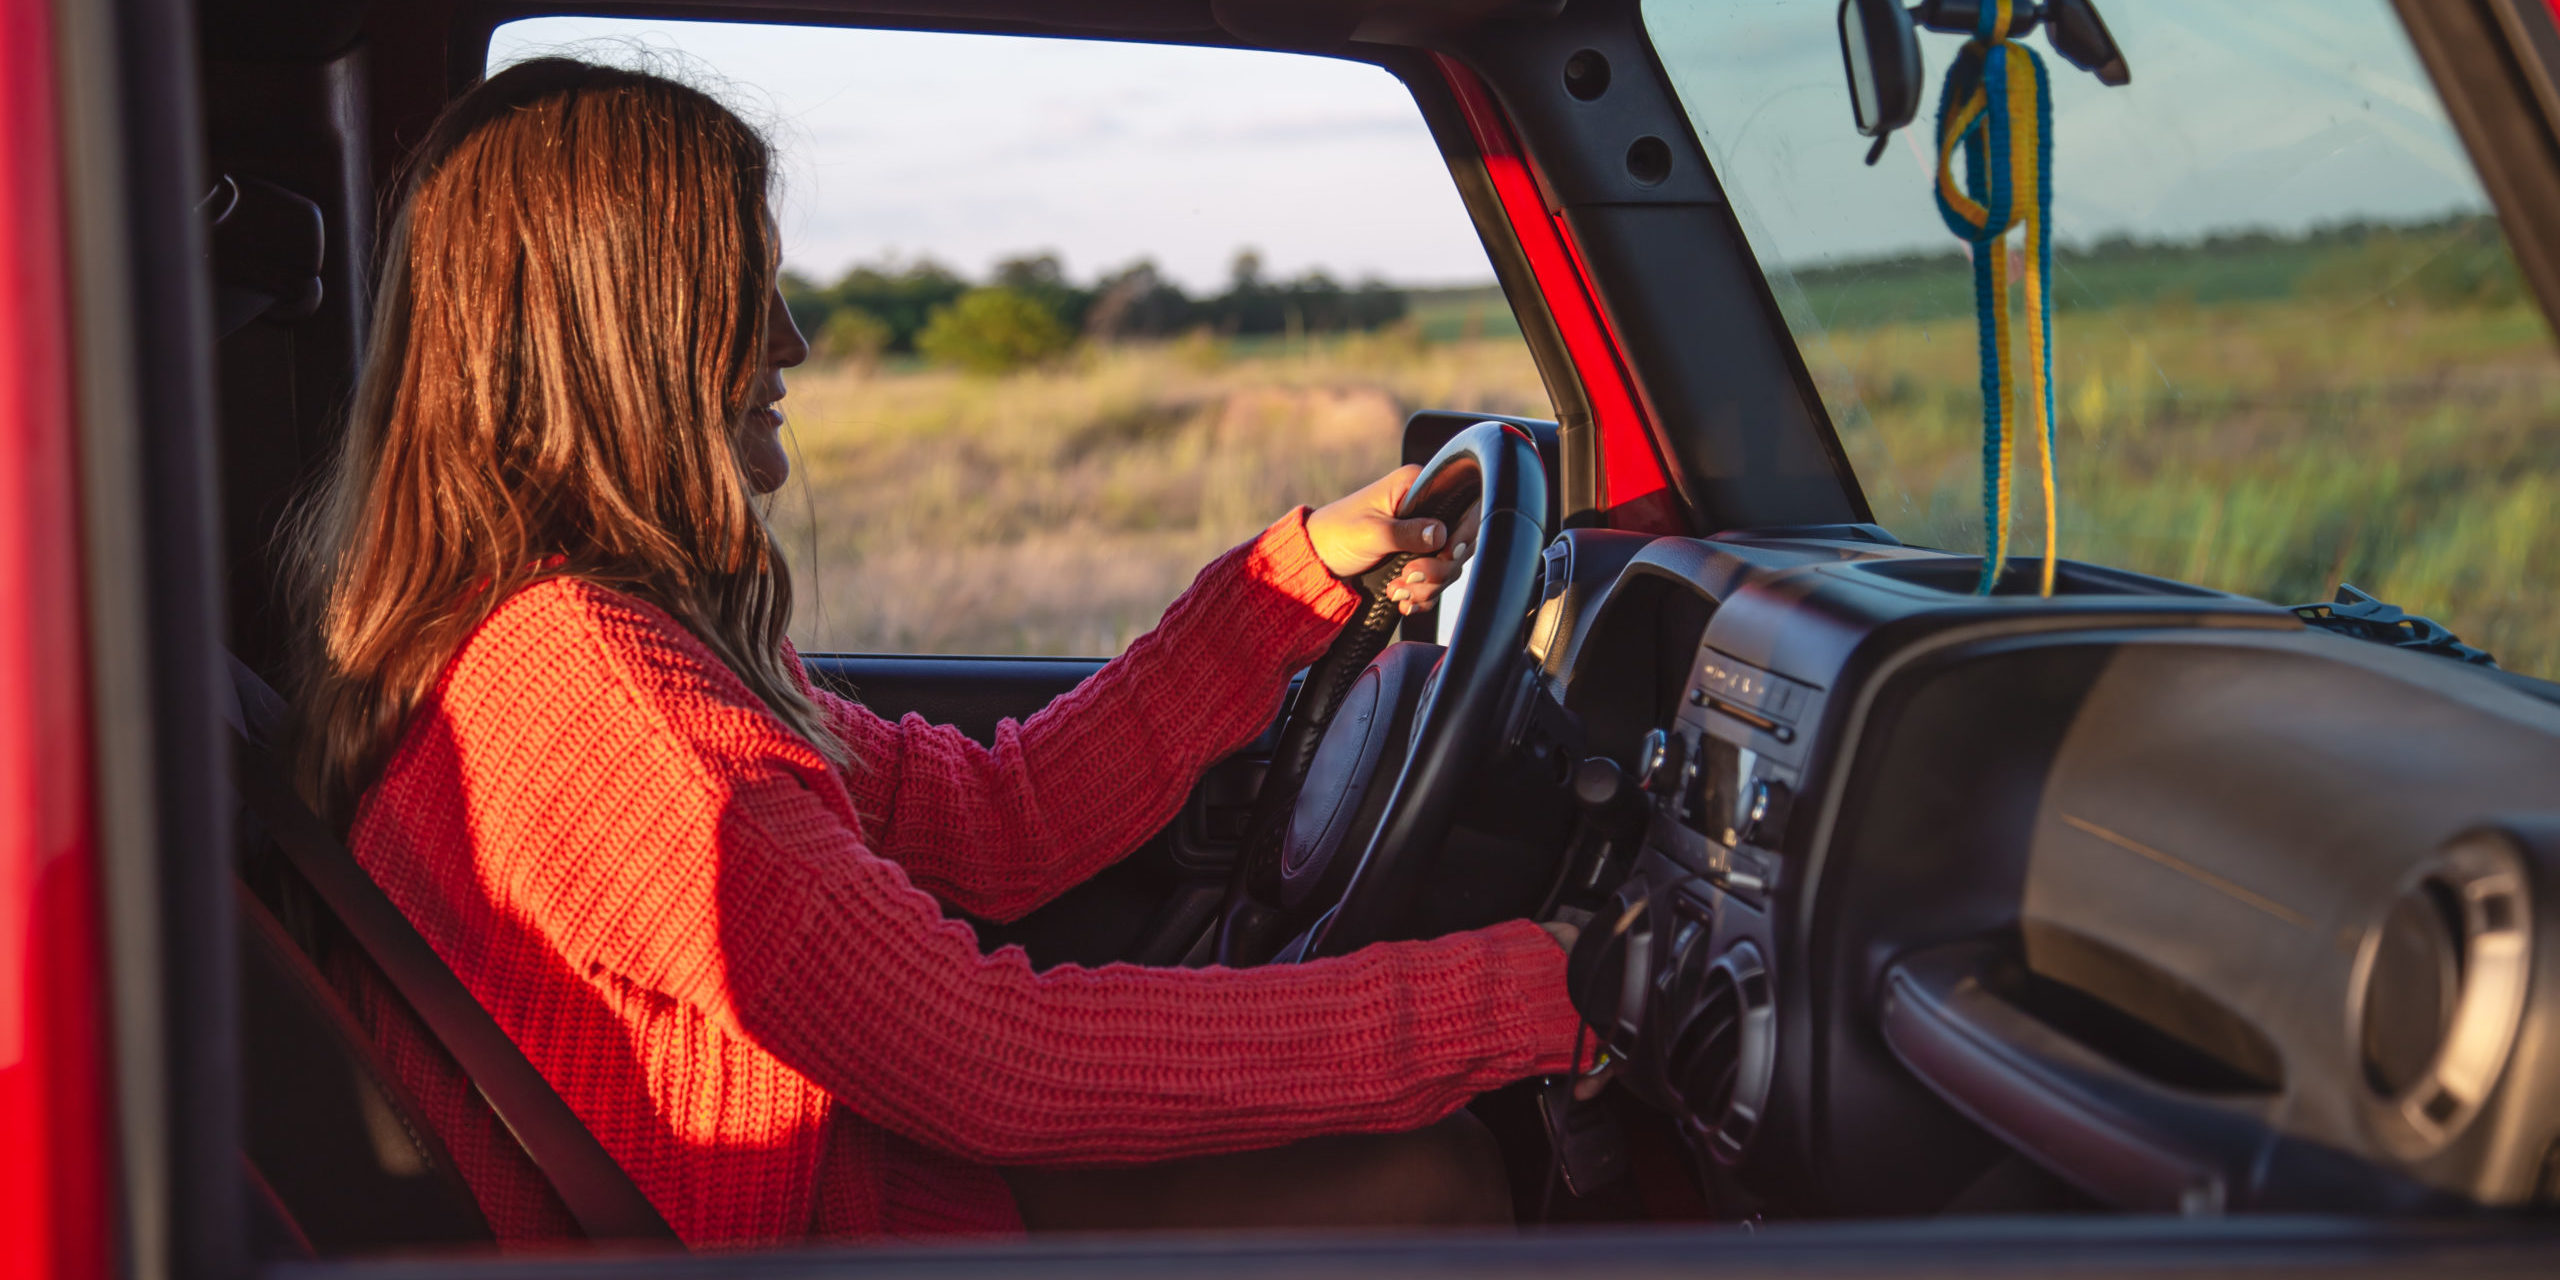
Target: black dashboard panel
2188,906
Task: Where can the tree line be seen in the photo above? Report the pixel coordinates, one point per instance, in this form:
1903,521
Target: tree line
1027,309
2455,260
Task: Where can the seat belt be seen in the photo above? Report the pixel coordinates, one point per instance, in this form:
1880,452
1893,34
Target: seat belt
599,1194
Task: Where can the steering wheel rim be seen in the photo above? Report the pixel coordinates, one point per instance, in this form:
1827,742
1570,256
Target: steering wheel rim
1491,462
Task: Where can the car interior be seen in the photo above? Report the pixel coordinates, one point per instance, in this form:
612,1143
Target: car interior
2134,902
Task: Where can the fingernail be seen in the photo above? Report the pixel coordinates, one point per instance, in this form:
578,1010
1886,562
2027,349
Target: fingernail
1415,576
1431,535
1459,552
1395,593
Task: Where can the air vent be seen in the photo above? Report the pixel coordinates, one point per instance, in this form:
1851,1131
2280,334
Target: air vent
1709,1053
1719,1060
2415,982
2439,989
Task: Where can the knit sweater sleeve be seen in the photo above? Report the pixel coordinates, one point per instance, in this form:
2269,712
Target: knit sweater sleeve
663,896
998,830
851,976
666,835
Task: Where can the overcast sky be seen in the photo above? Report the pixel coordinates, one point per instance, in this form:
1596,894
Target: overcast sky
970,148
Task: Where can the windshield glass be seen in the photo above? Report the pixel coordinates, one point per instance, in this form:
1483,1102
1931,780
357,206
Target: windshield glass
2291,349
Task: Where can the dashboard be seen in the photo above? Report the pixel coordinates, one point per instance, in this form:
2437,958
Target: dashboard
1887,888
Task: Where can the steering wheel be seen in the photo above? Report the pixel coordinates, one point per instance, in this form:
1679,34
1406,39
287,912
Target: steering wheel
1332,861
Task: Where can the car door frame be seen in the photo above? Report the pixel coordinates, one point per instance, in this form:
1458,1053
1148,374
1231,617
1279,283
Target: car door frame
138,782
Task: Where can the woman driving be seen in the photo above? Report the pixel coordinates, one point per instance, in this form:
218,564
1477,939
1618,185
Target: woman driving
551,702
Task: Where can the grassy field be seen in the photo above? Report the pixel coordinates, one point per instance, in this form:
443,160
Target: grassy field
1059,510
2269,421
2266,448
2273,420
1454,315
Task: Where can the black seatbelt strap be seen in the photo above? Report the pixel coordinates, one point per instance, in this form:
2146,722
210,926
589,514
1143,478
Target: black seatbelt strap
597,1191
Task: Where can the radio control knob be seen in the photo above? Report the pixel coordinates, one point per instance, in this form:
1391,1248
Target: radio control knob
1764,812
1599,784
1659,761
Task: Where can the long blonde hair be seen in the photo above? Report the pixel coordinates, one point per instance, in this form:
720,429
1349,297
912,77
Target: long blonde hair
571,319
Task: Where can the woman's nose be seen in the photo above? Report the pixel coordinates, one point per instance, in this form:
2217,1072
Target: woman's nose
784,346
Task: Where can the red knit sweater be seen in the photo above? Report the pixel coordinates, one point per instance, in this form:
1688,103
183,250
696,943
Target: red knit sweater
729,957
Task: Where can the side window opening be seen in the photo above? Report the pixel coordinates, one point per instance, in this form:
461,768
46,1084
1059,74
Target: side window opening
1082,315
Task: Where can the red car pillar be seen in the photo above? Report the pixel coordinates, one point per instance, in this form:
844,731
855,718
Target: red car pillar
55,1140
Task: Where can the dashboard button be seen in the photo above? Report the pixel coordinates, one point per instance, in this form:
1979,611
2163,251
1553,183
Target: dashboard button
1610,797
1786,698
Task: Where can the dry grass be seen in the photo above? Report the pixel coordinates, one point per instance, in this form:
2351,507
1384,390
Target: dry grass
2272,448
1058,511
2269,448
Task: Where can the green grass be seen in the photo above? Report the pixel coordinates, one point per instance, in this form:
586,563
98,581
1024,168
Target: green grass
2273,448
2457,260
2378,406
1460,314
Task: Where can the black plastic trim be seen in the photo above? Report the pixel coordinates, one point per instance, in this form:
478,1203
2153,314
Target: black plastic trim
180,534
1733,406
2271,1248
2121,1138
971,693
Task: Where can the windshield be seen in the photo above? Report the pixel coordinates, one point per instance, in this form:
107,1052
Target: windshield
2291,349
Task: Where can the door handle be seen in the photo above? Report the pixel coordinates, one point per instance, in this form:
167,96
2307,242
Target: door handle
2119,1135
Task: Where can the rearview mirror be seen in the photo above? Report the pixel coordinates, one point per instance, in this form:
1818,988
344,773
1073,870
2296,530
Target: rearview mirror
2081,37
1882,52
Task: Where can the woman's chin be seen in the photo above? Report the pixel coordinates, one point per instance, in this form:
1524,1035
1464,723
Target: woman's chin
768,464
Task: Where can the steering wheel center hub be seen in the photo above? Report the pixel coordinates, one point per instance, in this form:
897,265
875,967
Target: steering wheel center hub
1335,778
1339,801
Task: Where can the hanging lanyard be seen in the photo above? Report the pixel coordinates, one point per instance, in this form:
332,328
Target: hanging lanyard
1997,109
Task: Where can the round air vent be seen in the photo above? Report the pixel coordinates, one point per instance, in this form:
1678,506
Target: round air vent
2439,988
1719,1061
2415,982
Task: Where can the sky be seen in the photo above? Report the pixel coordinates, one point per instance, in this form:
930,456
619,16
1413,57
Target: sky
2242,114
972,148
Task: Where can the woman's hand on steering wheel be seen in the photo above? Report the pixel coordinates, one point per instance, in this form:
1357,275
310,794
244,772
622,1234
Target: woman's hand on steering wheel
1353,533
1337,857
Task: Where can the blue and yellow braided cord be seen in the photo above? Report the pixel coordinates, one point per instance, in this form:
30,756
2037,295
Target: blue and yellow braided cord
2006,150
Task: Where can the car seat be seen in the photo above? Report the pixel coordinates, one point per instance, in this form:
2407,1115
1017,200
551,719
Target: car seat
340,1158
